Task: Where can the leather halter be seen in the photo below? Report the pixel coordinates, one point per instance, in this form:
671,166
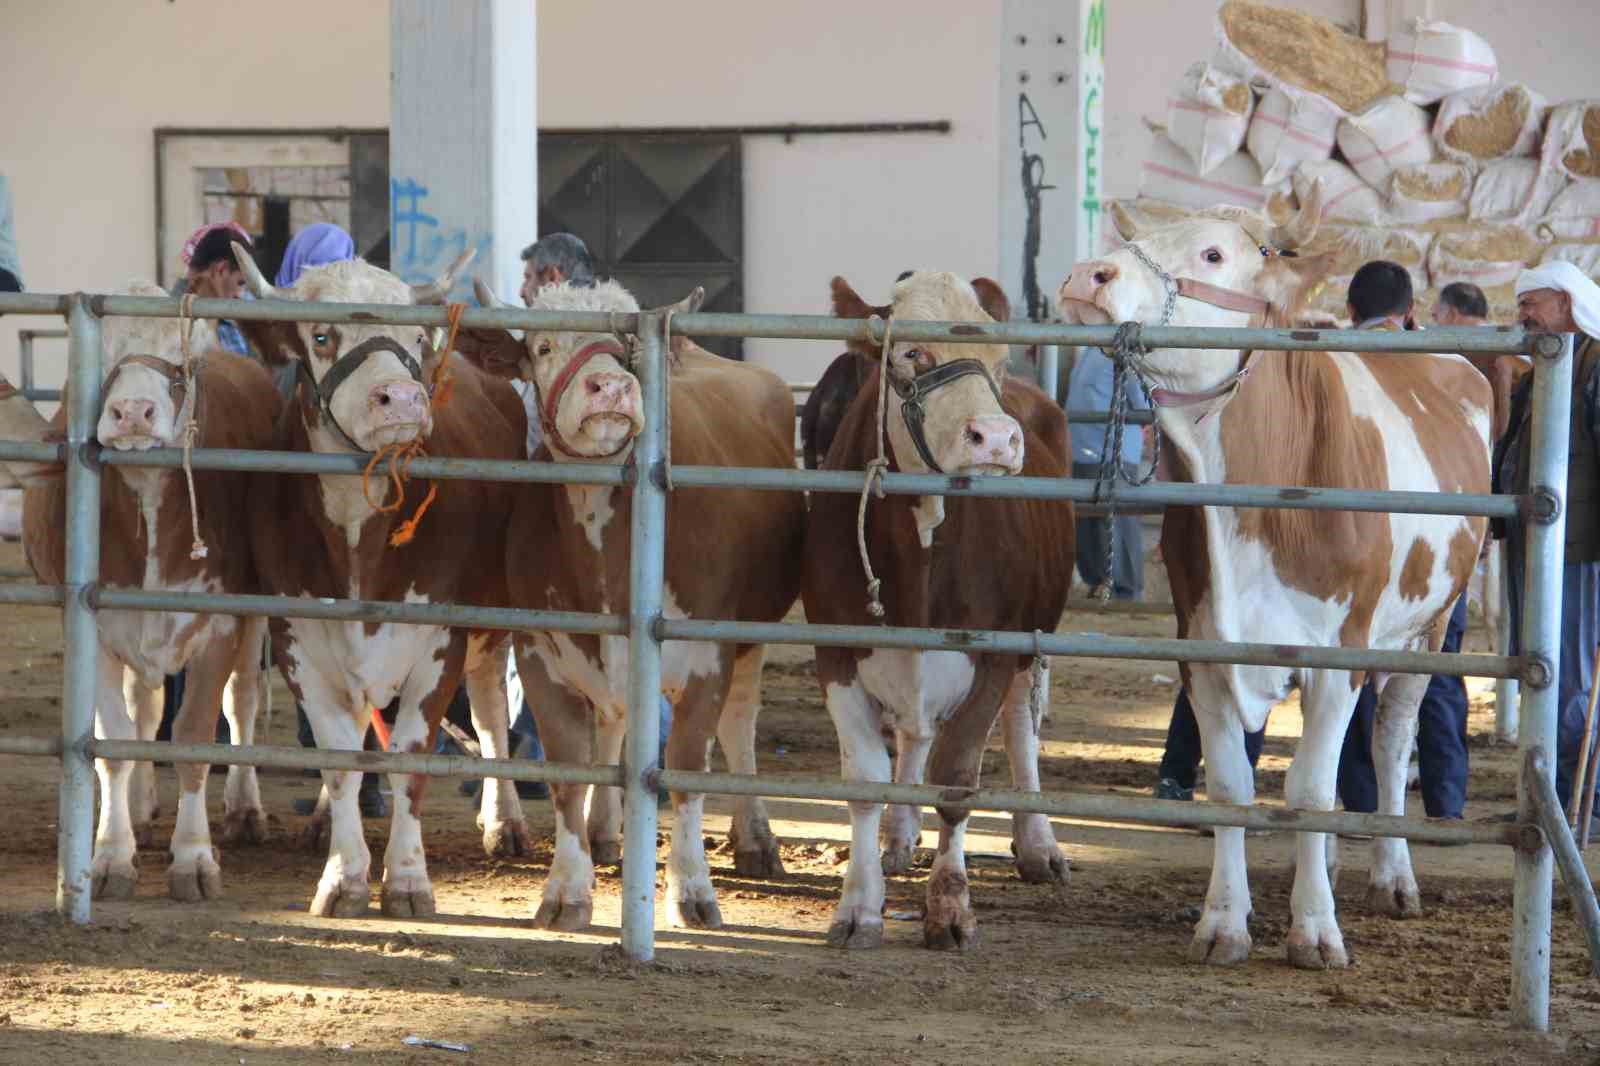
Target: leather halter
171,371
549,405
347,364
913,393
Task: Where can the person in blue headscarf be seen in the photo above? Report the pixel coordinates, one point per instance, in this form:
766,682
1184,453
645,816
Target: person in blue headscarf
317,245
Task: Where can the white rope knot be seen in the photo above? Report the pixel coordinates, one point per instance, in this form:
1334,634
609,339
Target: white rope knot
191,429
872,483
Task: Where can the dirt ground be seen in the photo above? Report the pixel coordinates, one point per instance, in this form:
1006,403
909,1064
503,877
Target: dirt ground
1095,976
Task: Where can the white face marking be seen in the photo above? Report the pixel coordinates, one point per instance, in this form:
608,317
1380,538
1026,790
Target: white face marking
592,508
929,514
917,690
599,409
368,671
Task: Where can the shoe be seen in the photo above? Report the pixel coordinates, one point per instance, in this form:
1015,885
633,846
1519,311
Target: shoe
1169,789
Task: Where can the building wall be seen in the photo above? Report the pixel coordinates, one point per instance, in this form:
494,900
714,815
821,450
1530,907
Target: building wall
90,81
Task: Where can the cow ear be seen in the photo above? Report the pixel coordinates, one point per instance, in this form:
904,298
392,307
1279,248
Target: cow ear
1122,218
494,351
992,298
1287,281
847,303
278,343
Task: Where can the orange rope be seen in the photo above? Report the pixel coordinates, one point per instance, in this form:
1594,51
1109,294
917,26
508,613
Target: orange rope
399,456
380,727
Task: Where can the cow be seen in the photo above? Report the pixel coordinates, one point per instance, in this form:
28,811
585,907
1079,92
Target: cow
959,563
1309,419
1033,845
148,524
730,554
361,389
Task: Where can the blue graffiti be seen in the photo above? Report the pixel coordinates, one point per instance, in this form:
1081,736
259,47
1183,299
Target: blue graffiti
420,249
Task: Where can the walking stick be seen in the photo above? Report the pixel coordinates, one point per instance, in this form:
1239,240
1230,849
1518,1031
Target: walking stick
1582,802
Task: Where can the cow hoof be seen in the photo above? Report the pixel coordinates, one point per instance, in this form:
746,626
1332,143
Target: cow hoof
342,899
144,836
605,852
314,834
114,884
1317,953
507,840
697,914
408,903
1044,867
194,883
564,916
758,862
859,935
898,858
949,924
247,826
1396,900
1213,947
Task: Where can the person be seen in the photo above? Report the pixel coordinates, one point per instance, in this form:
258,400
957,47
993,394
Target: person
214,274
1089,389
553,259
10,262
1461,303
1558,297
316,245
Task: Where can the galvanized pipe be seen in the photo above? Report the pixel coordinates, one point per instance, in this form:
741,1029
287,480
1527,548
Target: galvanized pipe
32,595
50,746
518,470
1536,732
1135,810
1558,835
1090,645
75,817
32,451
1050,371
1503,341
646,581
1506,695
1132,418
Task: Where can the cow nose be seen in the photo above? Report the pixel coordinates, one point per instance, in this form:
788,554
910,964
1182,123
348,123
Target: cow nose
133,416
608,387
399,400
1087,279
993,439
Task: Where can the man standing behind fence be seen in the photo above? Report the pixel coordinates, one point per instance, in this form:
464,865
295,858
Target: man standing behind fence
1089,389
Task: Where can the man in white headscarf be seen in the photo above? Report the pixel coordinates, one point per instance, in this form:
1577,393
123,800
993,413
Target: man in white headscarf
1559,298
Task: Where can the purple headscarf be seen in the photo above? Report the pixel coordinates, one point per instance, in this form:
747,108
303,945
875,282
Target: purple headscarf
317,244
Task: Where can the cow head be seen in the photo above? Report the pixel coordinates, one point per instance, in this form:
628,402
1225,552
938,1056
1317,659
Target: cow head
944,412
144,401
1229,266
590,406
362,386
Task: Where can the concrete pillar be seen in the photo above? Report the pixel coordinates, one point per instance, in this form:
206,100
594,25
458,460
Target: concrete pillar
463,138
1052,74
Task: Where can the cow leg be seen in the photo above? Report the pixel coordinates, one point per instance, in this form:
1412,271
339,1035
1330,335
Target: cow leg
144,703
195,874
1222,936
1392,889
244,820
957,759
689,890
858,920
505,832
563,719
1033,842
902,827
113,870
604,822
337,723
755,849
1327,699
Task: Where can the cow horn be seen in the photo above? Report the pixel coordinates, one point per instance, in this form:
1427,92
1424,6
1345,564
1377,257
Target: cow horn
485,295
435,291
688,305
1127,225
260,286
1298,231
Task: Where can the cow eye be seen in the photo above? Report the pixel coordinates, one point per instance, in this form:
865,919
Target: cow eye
319,339
1211,255
911,355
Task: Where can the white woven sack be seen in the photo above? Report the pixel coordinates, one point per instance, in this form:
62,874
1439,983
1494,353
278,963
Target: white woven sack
1476,106
1209,114
1412,204
1431,60
1345,197
1393,133
1288,131
1170,175
1514,190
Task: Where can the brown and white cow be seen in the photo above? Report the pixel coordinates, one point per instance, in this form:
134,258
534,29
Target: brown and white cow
1033,844
361,388
146,540
730,553
1417,422
956,563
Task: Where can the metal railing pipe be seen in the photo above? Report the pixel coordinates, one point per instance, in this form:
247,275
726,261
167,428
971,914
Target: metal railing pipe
1132,418
366,761
35,303
442,467
646,585
75,818
1136,810
1050,371
49,746
32,451
32,595
1093,646
1559,836
1541,640
424,614
1506,694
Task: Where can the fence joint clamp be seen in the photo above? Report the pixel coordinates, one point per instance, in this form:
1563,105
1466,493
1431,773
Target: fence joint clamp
1537,672
1543,505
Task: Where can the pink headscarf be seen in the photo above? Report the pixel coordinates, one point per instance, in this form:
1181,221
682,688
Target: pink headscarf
199,234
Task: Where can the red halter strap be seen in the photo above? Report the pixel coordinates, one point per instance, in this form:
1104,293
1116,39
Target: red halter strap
547,410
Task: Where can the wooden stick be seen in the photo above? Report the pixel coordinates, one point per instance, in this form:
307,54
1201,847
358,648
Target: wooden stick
1582,802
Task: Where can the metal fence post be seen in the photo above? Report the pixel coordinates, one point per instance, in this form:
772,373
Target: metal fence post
1541,642
1506,694
1050,371
75,817
645,576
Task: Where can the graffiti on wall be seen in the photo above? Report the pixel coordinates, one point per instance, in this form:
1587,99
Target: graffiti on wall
1091,80
1033,188
420,247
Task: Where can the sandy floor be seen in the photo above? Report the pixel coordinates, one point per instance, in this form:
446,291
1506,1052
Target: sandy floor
1095,976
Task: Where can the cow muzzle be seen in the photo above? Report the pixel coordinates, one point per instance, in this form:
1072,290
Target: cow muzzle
592,413
397,412
138,413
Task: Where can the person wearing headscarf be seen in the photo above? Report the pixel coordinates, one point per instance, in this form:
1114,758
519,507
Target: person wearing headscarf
1558,297
10,262
317,245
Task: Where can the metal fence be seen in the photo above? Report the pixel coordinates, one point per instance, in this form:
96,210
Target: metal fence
1542,509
